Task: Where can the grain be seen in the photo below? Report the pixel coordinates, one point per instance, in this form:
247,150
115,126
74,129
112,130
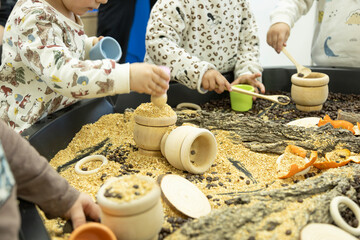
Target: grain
150,110
128,188
236,169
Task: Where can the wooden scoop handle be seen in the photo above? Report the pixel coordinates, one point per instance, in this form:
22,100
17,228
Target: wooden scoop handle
273,98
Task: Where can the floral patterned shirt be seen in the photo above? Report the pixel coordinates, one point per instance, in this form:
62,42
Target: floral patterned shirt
192,37
44,66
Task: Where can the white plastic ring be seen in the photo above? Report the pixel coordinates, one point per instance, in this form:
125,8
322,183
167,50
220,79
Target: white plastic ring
188,105
78,169
335,213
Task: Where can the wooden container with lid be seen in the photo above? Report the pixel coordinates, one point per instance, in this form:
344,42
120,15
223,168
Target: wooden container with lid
151,123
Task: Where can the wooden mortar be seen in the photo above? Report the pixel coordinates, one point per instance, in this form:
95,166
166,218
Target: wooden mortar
151,123
311,92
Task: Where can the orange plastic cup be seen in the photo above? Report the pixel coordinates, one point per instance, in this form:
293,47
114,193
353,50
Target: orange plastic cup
92,231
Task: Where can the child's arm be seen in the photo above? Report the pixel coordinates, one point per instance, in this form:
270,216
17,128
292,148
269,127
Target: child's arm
247,59
283,18
56,54
39,183
165,29
289,11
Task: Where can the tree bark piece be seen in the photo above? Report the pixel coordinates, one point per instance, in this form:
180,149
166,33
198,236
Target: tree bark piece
272,137
348,116
276,214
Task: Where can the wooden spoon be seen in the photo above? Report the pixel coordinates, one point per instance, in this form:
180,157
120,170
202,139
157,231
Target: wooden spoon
280,99
302,71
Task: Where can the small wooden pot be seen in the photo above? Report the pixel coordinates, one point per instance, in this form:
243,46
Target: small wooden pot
148,132
138,219
311,92
189,148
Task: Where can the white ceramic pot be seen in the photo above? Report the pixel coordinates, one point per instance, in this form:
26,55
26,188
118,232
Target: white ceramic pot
189,148
138,219
311,92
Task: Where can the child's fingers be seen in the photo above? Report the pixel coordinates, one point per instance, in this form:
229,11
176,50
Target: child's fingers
222,84
78,217
212,84
219,88
259,85
228,86
157,89
163,84
257,75
279,46
157,78
272,40
162,72
205,85
93,211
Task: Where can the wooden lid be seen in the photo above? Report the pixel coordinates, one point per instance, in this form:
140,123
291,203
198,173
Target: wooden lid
155,121
185,196
305,122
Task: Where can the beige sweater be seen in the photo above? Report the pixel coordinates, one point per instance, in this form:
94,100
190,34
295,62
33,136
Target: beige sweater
36,181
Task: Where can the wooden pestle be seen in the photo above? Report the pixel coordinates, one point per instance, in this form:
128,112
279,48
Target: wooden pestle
161,100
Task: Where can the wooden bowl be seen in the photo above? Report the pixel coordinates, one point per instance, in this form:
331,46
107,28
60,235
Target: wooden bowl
311,92
189,148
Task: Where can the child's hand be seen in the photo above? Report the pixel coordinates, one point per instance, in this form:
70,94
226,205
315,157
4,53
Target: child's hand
277,36
215,81
149,79
251,80
83,206
96,40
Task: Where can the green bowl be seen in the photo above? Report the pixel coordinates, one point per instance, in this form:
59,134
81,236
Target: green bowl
241,102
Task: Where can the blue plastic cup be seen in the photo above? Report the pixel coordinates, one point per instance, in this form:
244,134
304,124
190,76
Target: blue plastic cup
106,48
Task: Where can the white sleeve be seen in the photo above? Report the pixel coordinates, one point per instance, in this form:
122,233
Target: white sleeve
248,50
289,11
88,46
56,65
164,34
